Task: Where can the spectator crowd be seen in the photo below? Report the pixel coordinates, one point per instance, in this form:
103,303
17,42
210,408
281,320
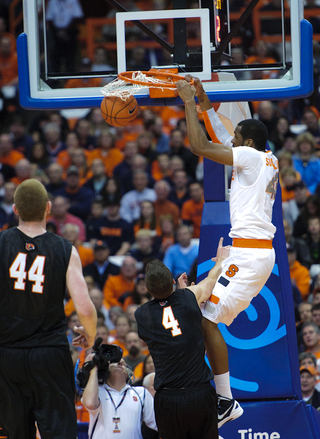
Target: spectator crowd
124,196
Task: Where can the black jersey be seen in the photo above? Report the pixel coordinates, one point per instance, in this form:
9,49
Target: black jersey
173,332
32,289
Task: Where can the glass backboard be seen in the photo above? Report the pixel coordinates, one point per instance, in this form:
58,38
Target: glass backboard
61,67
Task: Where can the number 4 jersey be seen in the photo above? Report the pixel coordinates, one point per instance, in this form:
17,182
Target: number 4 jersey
253,190
33,286
173,332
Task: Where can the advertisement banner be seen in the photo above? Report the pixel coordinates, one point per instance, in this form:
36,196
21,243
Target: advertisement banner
272,420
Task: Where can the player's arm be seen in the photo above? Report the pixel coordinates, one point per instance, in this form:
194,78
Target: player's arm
203,289
199,144
90,398
86,311
214,126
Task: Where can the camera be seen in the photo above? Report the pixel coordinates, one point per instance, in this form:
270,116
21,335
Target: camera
104,354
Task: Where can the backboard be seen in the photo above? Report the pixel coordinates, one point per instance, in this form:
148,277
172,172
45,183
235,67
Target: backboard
62,66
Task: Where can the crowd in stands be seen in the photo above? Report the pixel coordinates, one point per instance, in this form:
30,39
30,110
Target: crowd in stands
124,196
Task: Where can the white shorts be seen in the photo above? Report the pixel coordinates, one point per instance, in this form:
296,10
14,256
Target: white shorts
243,275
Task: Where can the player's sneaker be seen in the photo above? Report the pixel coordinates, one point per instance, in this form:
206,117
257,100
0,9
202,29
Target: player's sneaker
228,410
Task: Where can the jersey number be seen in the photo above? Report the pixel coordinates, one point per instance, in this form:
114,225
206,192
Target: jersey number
169,321
35,274
272,186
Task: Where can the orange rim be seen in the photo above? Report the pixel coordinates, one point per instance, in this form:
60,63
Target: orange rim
127,76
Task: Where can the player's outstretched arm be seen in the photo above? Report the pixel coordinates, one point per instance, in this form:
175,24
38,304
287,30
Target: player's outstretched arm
86,311
203,290
199,144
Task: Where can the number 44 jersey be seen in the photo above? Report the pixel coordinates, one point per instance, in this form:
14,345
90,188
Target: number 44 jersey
33,287
173,332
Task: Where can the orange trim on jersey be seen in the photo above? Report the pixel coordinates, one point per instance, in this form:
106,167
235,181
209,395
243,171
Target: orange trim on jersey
214,299
252,243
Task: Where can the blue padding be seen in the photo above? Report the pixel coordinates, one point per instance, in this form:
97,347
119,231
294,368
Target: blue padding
305,88
83,430
215,212
314,420
214,183
273,419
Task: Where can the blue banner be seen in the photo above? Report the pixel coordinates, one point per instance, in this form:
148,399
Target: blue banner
272,420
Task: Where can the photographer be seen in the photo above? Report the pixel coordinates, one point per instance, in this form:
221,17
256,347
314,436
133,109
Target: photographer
114,406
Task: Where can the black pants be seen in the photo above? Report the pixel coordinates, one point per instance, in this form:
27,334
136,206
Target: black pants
37,385
187,413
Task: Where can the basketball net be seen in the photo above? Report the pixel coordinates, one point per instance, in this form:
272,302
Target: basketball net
130,83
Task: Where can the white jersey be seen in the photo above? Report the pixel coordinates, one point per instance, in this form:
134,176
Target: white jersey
253,190
253,186
120,413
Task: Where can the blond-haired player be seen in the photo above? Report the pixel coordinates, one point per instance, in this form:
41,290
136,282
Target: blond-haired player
252,257
36,370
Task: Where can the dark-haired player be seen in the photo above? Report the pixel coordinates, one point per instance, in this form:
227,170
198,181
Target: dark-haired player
171,325
36,371
251,260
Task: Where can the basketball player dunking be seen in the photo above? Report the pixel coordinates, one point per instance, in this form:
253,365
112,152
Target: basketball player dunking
252,257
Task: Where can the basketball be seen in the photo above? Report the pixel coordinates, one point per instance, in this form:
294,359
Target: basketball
119,112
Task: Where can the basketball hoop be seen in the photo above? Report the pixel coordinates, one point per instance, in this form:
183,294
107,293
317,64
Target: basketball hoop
130,83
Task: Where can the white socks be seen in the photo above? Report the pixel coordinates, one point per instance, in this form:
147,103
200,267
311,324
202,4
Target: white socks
222,383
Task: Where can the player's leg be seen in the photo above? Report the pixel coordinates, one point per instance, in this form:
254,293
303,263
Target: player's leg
182,414
54,392
205,425
243,275
16,415
217,353
216,347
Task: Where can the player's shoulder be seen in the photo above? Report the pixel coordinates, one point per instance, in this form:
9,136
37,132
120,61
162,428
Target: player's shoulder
142,308
56,239
8,231
182,295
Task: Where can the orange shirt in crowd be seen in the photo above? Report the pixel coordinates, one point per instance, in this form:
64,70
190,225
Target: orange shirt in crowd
138,371
147,226
171,115
192,212
167,207
82,412
156,172
69,308
12,158
122,346
64,159
8,69
285,194
17,180
111,159
114,287
86,255
301,277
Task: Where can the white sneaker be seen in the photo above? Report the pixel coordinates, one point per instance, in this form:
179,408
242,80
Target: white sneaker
228,410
